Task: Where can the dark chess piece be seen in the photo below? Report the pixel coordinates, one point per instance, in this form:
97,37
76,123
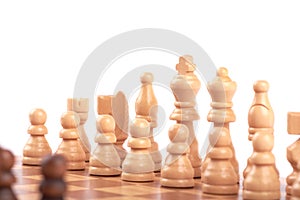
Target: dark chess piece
53,185
7,178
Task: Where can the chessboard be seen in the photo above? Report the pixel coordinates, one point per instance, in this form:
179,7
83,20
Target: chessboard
80,185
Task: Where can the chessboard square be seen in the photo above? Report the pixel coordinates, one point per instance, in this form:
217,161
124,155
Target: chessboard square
29,196
99,183
25,181
132,190
90,194
75,177
174,195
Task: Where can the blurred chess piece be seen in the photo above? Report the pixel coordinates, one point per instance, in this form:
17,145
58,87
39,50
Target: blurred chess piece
7,179
53,186
146,108
138,165
178,171
81,107
37,146
185,87
105,160
70,147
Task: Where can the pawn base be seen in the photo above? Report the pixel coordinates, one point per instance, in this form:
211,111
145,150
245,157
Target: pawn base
177,183
270,195
144,177
76,165
104,171
220,189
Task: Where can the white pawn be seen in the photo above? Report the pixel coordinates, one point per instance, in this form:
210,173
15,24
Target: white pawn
37,146
70,147
262,181
105,160
178,171
138,165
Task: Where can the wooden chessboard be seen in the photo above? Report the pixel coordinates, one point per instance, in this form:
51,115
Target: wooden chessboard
83,186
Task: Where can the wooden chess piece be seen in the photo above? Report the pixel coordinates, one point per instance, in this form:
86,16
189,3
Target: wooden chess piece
81,107
37,146
293,151
178,171
117,107
260,115
53,186
146,108
185,87
220,177
105,160
70,147
138,165
295,187
221,90
262,181
7,178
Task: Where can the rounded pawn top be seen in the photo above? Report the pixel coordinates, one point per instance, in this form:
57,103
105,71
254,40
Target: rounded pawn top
147,77
105,124
178,133
222,72
37,116
220,137
261,86
57,162
140,128
263,142
70,120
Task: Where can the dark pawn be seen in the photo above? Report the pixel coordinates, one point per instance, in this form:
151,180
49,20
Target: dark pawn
7,161
53,185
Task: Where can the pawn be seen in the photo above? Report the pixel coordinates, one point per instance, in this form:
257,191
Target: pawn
178,171
105,160
219,176
53,185
138,165
7,161
70,146
262,181
37,146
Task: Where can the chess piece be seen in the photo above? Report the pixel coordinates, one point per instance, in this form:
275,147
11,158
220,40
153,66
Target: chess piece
117,107
295,187
70,147
293,151
37,146
7,178
220,177
146,108
260,116
185,87
178,171
53,186
138,165
105,160
222,89
81,107
262,181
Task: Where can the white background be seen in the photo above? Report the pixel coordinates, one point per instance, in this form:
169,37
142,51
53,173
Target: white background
43,45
